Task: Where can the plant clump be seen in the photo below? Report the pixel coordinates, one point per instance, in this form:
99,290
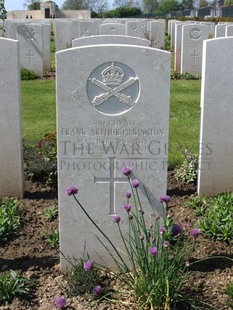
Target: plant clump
40,161
154,263
187,172
27,75
9,219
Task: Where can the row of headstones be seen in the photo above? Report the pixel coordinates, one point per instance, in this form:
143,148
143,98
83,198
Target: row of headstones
34,42
34,36
113,111
187,40
66,30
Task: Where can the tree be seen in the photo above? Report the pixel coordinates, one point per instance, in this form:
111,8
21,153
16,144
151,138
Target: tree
150,6
167,6
228,2
203,3
32,4
123,3
2,10
2,14
75,5
187,4
97,6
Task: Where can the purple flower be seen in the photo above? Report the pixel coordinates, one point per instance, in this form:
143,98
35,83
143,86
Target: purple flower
187,263
166,243
127,207
126,171
97,290
135,183
177,230
165,198
88,265
60,302
128,194
72,190
153,250
162,230
117,218
195,232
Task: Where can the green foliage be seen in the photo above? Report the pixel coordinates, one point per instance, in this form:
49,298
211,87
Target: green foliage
217,215
9,219
121,12
228,2
166,6
3,11
81,281
27,75
32,4
3,15
40,161
187,172
53,238
199,204
229,293
187,4
184,76
167,42
11,286
74,5
217,223
50,213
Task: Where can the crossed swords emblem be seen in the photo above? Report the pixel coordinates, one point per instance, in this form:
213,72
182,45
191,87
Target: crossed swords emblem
116,91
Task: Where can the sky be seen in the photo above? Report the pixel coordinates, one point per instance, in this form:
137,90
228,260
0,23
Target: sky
11,5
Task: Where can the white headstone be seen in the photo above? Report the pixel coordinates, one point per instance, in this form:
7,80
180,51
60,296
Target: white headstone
157,33
112,29
191,47
112,111
136,29
88,28
220,30
229,31
177,44
62,35
31,47
11,150
216,151
109,39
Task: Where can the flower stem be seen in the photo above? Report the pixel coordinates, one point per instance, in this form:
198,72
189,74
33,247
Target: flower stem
101,231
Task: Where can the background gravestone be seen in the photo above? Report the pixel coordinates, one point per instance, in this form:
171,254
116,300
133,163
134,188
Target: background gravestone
109,39
112,29
216,151
31,47
191,47
112,110
11,159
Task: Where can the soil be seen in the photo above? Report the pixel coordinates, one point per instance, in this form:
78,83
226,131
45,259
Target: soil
37,261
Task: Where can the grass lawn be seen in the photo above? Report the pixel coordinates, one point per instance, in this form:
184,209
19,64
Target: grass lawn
184,118
39,114
38,109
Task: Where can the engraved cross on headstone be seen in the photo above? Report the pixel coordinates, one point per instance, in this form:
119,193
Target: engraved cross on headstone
112,180
195,55
29,55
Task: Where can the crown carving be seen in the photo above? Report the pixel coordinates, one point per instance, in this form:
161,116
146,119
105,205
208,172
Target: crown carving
112,75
